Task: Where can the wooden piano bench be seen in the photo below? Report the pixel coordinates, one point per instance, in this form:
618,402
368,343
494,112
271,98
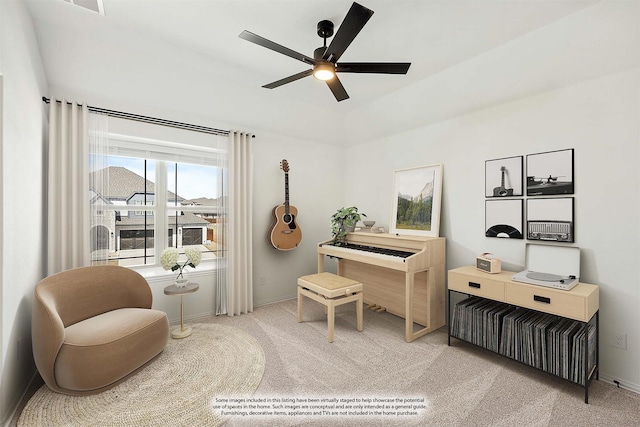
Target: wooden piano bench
330,290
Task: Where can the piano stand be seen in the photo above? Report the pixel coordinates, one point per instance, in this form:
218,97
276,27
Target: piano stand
331,291
411,287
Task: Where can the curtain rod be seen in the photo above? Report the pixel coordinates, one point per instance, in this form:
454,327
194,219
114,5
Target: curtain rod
153,120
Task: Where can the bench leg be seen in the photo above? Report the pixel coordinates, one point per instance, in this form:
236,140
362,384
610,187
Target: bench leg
359,303
331,316
300,303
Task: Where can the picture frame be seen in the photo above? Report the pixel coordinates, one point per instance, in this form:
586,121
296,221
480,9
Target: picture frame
551,219
504,218
550,173
417,198
503,177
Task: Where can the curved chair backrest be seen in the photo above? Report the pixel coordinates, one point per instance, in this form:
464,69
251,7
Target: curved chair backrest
72,296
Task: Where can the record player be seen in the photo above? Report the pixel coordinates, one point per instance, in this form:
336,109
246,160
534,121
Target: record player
551,266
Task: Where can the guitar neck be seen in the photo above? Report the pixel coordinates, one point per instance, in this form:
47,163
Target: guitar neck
286,193
503,179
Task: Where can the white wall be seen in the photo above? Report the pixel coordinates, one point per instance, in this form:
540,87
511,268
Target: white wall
23,202
316,189
599,119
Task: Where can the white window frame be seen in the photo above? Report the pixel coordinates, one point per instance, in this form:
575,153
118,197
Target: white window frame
164,153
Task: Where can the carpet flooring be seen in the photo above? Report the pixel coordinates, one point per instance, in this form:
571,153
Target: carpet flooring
176,389
462,385
368,378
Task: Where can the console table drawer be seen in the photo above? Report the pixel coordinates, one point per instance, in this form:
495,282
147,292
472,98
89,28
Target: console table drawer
480,286
561,303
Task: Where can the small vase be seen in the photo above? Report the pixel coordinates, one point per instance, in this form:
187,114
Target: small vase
182,279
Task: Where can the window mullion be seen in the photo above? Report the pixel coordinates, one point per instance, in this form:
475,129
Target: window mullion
161,225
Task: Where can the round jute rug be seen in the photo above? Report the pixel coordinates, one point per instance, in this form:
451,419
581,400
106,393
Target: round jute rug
176,389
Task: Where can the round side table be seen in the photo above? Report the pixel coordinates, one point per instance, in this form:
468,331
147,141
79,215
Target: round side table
181,332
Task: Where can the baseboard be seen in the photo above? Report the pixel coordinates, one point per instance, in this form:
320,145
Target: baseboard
620,383
274,300
201,316
19,401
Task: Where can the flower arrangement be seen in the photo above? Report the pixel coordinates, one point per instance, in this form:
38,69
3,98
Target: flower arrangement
169,261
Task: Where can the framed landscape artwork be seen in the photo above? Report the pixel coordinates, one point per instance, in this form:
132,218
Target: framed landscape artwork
417,197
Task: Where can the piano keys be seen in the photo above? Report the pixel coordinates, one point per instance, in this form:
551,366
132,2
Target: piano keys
374,250
403,274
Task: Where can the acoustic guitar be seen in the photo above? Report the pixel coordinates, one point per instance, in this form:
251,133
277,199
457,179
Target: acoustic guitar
502,191
285,234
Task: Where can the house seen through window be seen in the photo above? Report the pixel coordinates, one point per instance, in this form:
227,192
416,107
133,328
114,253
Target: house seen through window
140,206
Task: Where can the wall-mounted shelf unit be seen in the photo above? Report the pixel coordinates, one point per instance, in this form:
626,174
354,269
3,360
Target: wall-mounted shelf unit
549,329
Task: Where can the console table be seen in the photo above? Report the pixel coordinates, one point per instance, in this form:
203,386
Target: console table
550,329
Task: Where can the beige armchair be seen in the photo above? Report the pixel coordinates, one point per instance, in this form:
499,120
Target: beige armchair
92,327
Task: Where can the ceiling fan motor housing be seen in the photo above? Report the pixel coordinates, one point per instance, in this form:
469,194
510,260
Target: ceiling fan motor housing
325,29
317,54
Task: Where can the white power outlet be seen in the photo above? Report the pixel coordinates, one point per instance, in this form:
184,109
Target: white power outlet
620,340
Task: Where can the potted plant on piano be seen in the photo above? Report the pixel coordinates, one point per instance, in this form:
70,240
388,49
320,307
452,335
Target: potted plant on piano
343,221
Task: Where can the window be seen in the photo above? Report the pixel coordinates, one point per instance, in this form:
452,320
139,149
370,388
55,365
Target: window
148,195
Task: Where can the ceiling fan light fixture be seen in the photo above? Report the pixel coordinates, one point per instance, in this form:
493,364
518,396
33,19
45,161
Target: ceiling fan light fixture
324,71
325,58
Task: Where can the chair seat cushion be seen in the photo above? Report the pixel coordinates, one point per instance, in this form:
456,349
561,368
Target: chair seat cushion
329,284
103,349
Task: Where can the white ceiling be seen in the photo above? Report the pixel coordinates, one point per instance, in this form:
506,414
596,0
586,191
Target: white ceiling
184,58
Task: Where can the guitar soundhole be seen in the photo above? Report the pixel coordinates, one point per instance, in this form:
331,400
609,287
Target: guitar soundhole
289,219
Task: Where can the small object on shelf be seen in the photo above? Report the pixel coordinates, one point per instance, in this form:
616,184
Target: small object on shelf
368,223
487,262
370,230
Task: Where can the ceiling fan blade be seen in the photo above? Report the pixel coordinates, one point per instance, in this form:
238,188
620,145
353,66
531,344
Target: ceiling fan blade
288,79
261,41
338,90
373,67
357,16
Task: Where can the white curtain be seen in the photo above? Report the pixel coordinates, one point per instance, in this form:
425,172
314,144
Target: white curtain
68,187
100,240
240,264
222,234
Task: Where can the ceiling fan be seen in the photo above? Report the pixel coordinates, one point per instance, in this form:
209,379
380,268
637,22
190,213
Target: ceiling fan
325,59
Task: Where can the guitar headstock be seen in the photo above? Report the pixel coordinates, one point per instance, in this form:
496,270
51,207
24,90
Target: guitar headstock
503,169
284,165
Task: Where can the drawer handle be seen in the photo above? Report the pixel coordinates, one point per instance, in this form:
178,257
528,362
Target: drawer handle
474,285
545,300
